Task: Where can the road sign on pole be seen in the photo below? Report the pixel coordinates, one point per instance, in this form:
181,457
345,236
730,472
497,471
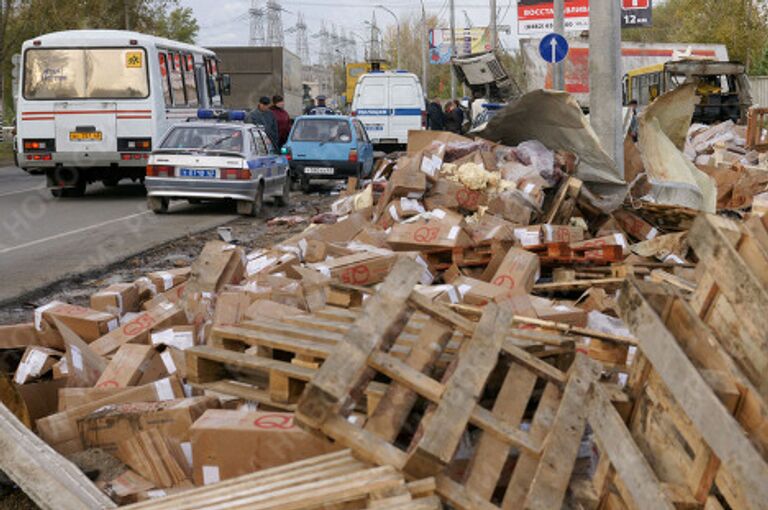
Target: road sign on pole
553,48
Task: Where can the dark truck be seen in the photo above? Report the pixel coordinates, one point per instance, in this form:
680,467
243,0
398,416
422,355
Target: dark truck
261,71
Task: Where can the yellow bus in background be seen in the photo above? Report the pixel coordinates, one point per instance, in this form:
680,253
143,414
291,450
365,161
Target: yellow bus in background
355,71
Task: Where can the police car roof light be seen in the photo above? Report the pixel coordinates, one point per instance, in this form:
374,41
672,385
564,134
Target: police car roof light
204,114
237,115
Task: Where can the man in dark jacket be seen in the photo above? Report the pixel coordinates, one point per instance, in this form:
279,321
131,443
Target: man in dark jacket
282,118
262,116
435,118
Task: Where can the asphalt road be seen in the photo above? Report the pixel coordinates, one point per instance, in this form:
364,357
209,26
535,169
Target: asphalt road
44,239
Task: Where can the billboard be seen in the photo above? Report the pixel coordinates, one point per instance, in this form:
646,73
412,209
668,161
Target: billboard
536,17
468,41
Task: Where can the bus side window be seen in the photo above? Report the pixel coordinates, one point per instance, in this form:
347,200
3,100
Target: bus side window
210,79
165,78
177,80
189,80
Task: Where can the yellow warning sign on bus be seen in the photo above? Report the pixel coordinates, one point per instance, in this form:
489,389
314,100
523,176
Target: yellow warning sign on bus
134,59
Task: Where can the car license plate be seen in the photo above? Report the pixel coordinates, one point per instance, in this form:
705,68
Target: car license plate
198,173
318,170
90,136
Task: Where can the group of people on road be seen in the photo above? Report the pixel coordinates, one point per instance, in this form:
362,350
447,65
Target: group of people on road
445,118
271,115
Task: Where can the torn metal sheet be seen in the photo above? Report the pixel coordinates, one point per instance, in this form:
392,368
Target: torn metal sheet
663,127
556,120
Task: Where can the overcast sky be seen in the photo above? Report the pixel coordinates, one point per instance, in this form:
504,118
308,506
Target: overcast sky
225,22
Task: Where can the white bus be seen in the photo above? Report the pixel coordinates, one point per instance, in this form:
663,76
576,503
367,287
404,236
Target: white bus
93,103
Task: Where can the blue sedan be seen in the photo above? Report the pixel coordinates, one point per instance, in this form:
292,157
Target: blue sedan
215,160
328,147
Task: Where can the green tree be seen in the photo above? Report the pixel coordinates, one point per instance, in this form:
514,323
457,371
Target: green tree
180,25
742,25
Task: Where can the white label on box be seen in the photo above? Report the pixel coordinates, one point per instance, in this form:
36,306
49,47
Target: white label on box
39,314
183,340
620,240
113,324
77,358
562,308
166,306
325,270
260,264
303,248
162,337
128,317
527,237
407,204
415,194
186,447
156,493
187,389
164,390
210,475
63,367
36,361
454,232
170,366
167,279
463,289
452,295
438,213
673,258
22,372
528,188
286,257
653,233
426,276
118,297
393,212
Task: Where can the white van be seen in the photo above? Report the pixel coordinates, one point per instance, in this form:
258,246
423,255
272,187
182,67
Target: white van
389,104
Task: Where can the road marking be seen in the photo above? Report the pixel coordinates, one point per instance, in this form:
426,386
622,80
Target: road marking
71,232
42,186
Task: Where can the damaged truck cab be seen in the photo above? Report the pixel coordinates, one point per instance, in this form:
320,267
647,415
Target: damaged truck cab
723,87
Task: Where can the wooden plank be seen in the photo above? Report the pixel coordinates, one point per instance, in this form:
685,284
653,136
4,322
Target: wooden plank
617,443
526,465
562,444
397,402
50,480
536,365
491,454
720,430
224,335
382,320
441,312
444,428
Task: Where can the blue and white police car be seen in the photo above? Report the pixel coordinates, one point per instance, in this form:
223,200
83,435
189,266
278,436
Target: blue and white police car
217,157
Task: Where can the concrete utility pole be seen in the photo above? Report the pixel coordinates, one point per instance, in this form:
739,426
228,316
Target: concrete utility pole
558,69
493,29
127,14
424,44
605,101
452,8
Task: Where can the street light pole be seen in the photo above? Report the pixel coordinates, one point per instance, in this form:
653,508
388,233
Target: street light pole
558,69
397,24
452,9
424,44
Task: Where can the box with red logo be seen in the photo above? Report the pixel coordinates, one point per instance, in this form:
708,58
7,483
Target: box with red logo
228,443
516,272
426,234
138,329
363,268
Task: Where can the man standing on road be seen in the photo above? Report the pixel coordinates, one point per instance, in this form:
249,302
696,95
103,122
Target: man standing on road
435,117
282,118
262,116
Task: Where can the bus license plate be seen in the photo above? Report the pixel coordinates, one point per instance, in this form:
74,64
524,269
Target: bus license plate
197,173
318,170
90,136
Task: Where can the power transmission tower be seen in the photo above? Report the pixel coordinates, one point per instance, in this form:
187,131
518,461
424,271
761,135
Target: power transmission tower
377,50
302,42
256,14
275,23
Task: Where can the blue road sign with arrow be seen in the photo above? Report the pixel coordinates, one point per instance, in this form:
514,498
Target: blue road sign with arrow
553,48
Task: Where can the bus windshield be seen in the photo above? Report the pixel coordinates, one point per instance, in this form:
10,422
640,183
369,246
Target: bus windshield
86,73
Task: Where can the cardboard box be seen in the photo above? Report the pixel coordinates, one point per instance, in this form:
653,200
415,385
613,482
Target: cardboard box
559,312
226,444
363,268
219,264
427,234
166,280
111,424
533,235
266,308
60,430
35,362
138,330
517,272
16,336
512,206
491,228
599,242
172,296
634,225
87,323
477,292
230,307
118,299
179,337
74,397
127,487
127,366
453,195
41,398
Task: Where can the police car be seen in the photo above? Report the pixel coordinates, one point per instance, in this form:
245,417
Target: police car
217,157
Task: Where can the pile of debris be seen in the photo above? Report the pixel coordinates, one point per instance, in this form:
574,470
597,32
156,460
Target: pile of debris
471,330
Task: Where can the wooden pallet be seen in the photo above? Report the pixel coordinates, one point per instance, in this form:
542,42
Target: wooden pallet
333,481
561,254
492,386
698,418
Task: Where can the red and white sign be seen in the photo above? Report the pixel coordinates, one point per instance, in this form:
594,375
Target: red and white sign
629,5
535,17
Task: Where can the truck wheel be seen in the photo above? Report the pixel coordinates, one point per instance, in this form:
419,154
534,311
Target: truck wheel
158,205
285,198
305,184
111,182
359,176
